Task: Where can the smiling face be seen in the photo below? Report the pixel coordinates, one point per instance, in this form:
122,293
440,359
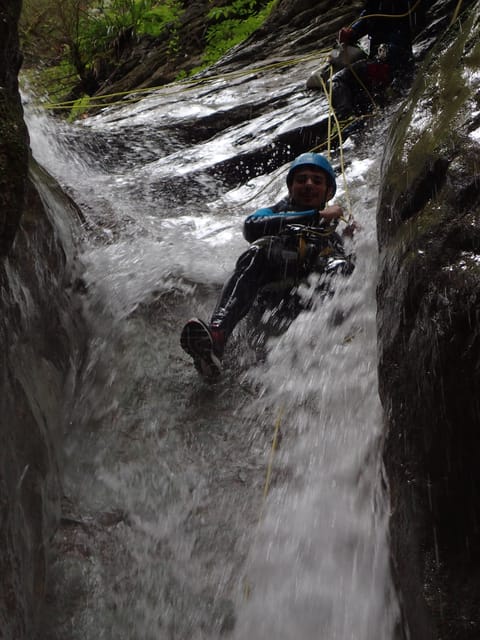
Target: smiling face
310,188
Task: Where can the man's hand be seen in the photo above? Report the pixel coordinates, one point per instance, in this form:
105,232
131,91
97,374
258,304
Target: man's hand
333,212
346,35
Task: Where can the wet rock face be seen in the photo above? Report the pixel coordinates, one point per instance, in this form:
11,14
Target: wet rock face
36,335
429,338
293,28
13,171
13,133
40,340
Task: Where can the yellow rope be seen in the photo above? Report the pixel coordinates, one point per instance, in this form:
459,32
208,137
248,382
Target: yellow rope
388,15
328,95
188,83
456,12
330,111
247,587
99,101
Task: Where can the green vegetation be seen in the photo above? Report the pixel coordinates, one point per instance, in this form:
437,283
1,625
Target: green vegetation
72,42
72,46
105,23
79,107
232,24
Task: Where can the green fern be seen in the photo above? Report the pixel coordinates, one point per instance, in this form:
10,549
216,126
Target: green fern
237,9
103,24
232,24
79,107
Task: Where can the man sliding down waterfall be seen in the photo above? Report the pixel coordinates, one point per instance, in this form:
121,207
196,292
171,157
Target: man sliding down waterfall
389,26
289,241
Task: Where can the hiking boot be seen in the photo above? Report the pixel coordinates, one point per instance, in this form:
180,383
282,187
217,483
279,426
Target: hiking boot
205,346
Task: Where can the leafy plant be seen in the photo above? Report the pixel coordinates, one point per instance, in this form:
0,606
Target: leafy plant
235,10
85,36
80,42
79,107
106,23
233,24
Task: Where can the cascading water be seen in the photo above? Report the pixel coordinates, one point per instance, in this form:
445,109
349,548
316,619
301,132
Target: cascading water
166,531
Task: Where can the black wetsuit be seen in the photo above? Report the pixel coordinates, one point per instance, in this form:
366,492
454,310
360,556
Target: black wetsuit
287,245
388,23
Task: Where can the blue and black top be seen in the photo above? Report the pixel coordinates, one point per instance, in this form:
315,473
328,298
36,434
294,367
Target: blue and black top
271,221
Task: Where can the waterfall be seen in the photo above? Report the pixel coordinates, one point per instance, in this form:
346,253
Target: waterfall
166,531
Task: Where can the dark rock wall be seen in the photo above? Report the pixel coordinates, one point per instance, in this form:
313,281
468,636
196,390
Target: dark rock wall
13,133
429,337
40,347
40,352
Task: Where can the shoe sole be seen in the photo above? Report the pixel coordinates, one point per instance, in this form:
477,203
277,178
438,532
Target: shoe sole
196,340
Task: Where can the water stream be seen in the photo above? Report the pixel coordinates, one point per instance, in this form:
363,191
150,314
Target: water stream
166,530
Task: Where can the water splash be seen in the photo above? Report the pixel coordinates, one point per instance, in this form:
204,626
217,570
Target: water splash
183,465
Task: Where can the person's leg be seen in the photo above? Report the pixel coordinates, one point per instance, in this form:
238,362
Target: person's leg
267,259
206,343
349,88
197,340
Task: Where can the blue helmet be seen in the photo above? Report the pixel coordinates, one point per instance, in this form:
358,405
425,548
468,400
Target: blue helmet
315,160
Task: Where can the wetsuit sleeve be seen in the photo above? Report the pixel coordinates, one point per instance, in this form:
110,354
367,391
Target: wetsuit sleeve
360,27
266,222
363,25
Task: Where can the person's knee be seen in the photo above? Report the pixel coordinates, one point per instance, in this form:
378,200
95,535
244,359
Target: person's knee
268,248
352,73
342,99
347,84
247,257
258,254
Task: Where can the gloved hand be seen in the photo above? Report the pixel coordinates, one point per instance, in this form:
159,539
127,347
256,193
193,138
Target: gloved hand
345,35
